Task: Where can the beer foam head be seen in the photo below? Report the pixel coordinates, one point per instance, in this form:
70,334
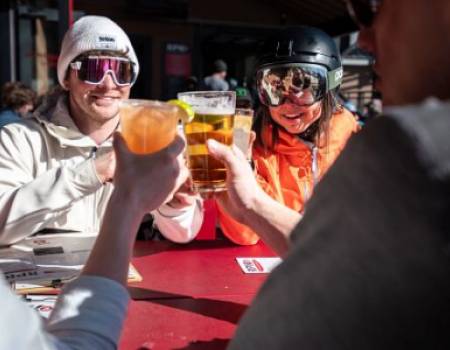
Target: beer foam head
211,102
213,106
214,110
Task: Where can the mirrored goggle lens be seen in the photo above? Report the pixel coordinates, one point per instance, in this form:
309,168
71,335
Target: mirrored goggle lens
302,85
94,69
363,11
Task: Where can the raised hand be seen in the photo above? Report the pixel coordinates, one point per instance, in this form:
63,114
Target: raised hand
148,181
242,188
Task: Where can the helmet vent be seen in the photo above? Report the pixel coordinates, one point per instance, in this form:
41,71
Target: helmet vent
285,49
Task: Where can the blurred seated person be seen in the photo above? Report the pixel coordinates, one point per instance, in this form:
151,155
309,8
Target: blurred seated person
17,101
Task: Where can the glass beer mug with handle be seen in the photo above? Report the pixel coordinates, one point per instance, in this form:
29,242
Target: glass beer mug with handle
213,119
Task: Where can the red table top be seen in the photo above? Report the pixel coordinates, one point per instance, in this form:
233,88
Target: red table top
191,296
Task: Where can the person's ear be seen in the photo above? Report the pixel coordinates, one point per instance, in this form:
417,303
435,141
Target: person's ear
66,79
66,84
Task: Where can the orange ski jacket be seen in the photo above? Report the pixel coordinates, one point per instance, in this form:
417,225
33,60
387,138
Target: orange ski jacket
290,172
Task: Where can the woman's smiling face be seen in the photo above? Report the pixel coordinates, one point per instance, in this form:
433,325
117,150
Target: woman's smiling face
296,119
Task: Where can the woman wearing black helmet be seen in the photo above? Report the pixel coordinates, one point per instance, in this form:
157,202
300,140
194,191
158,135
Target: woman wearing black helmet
300,128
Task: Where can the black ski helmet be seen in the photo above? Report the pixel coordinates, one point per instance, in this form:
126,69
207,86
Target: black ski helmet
300,44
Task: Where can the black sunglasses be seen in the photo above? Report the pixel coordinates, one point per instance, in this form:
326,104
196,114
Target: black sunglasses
363,12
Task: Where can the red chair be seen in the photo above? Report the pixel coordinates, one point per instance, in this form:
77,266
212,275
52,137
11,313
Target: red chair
208,229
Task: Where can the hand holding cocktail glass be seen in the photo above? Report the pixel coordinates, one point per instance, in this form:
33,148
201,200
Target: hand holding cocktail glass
150,126
147,127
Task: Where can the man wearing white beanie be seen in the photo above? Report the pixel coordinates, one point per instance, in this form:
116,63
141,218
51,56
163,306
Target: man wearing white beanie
56,169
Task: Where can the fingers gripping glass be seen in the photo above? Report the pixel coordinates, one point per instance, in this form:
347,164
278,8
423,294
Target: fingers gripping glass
93,69
302,84
363,12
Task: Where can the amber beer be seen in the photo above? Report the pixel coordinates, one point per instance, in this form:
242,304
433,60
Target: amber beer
213,119
148,126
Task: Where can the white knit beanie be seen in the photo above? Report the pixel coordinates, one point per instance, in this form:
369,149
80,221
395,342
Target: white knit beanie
93,33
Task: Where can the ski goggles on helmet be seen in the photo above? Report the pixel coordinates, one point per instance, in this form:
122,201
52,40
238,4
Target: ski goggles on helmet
363,12
302,84
93,69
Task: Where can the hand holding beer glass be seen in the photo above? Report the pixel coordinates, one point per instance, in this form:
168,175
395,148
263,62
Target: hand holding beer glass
213,119
148,126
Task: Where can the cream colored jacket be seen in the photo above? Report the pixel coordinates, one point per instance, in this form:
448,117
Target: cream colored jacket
48,180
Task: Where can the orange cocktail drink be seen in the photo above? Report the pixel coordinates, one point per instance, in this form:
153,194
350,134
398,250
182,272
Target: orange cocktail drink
148,126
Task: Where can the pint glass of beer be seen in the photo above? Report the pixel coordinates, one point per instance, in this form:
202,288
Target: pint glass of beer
213,119
148,126
243,120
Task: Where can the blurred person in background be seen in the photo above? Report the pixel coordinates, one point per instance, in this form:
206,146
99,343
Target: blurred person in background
243,96
191,83
300,127
233,84
216,81
18,100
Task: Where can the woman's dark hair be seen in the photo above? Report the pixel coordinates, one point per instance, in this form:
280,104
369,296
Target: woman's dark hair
320,127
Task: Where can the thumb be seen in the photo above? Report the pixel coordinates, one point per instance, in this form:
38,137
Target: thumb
120,145
176,148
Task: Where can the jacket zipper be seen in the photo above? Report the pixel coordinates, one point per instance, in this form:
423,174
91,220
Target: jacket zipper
314,170
93,155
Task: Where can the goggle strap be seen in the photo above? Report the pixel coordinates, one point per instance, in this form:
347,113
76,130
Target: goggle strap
335,78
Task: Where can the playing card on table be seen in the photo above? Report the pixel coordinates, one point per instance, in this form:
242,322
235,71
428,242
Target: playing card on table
258,265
